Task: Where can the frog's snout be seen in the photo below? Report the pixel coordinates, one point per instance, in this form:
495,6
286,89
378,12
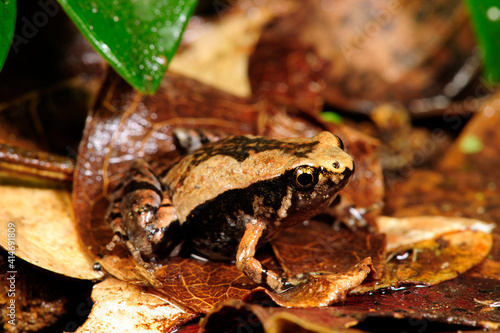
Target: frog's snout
345,171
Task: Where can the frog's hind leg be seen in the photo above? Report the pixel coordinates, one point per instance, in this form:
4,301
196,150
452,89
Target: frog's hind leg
254,269
141,215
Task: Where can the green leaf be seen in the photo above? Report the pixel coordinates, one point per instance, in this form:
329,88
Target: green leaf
331,117
485,15
7,24
137,37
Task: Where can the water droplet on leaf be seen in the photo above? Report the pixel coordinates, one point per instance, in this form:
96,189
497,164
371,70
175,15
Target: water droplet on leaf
493,13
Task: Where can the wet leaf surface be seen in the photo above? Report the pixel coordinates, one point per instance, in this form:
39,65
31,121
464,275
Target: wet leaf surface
465,300
460,301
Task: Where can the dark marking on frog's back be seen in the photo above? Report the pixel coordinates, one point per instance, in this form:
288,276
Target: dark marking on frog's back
240,147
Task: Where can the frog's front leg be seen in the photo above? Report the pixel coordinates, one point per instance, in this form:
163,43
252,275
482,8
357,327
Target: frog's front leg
141,214
254,269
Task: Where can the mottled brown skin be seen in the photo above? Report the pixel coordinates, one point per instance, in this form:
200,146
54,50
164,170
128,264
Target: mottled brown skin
229,197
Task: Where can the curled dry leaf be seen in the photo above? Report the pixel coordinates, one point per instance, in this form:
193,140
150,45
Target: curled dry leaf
465,182
44,230
322,289
122,307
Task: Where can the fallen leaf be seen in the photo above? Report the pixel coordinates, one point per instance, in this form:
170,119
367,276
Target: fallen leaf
402,233
460,301
319,289
122,307
200,285
433,261
44,230
318,247
287,74
216,51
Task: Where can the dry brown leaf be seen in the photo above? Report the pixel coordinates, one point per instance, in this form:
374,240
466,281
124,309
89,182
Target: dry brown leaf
216,52
318,247
122,307
434,260
45,233
442,248
403,233
323,289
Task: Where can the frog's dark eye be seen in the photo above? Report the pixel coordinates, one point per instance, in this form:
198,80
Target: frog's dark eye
305,177
341,144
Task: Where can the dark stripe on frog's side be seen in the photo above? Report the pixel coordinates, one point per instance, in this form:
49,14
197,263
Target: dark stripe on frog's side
204,225
240,147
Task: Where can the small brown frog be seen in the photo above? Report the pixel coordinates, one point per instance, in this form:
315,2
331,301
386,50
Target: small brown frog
229,197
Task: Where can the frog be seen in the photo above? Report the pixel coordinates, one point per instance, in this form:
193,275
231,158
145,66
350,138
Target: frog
226,199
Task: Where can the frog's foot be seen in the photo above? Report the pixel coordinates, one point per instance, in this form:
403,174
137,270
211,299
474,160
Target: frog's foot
321,289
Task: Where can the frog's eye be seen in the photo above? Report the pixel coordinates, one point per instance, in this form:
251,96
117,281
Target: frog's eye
341,144
305,177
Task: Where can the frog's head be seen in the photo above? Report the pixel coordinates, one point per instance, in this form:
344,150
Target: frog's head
314,180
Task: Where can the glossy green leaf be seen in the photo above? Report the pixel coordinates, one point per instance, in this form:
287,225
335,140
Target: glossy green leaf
485,15
7,24
137,37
